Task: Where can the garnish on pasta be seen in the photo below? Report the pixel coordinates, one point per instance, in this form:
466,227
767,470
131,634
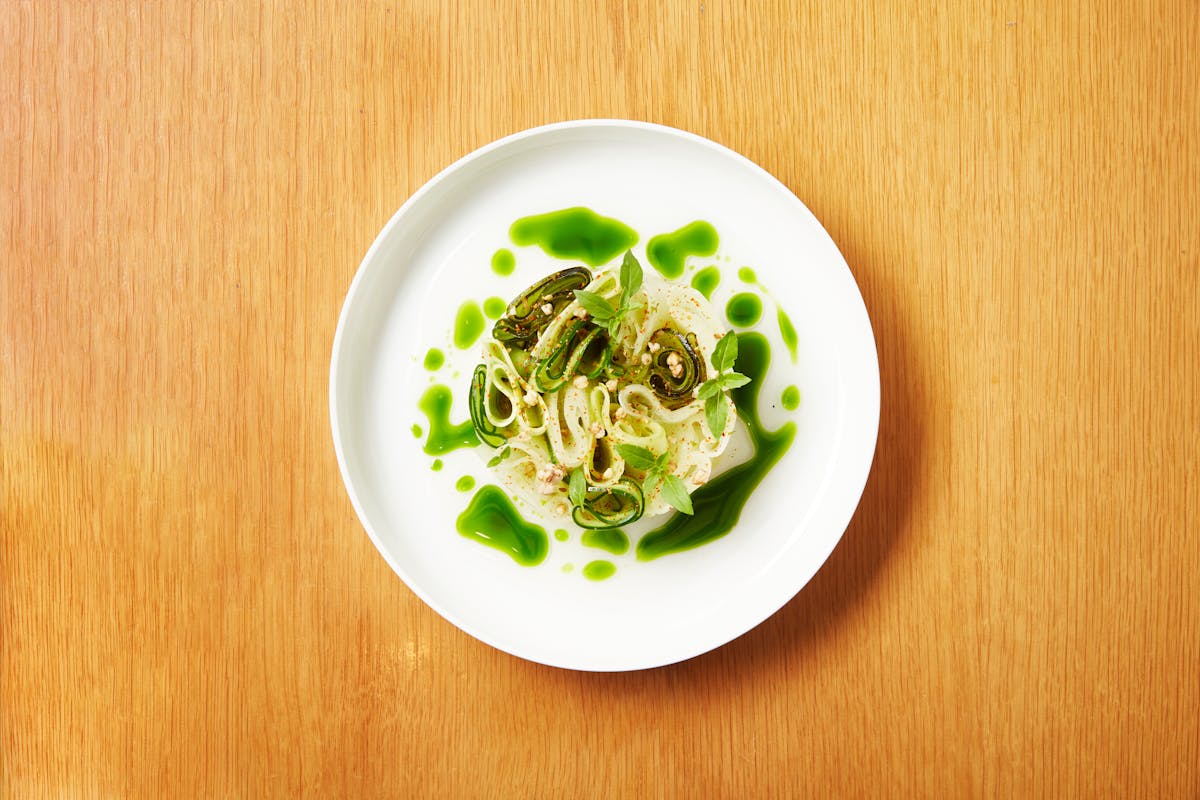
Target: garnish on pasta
606,397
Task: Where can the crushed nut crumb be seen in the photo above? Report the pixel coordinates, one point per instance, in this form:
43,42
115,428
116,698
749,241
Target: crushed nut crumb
611,384
580,381
655,347
645,358
547,308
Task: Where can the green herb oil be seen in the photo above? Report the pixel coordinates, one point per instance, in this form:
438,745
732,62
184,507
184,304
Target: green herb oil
494,307
468,325
491,519
444,435
744,309
613,540
719,503
575,234
434,359
599,570
503,262
706,281
791,398
668,252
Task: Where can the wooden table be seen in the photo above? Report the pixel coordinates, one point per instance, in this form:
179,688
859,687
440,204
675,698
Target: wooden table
191,608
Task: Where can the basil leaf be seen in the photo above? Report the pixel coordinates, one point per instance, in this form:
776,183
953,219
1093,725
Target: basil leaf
631,277
637,457
675,492
708,389
503,454
732,380
725,353
650,484
595,305
717,411
577,488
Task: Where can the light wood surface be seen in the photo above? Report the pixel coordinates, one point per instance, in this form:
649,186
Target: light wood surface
190,607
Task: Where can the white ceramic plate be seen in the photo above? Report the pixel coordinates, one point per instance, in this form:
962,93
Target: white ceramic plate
436,252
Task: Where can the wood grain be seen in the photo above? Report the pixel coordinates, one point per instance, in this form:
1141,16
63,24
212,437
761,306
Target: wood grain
189,606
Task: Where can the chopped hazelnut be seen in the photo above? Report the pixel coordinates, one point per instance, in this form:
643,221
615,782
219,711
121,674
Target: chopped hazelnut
645,358
580,381
611,384
547,308
580,312
654,347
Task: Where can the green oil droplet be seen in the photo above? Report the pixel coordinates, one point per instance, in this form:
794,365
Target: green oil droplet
568,567
468,324
744,309
444,435
787,331
561,535
791,398
668,252
465,484
434,359
746,275
436,466
494,307
491,519
503,262
718,503
575,233
706,280
613,540
599,570
416,431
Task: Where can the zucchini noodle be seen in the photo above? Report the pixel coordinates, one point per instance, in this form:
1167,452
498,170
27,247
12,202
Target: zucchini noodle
558,391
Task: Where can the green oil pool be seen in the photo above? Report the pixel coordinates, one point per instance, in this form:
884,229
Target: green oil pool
719,503
744,309
468,324
503,262
491,519
787,331
434,359
575,233
791,398
613,540
494,307
444,435
706,281
668,252
599,570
